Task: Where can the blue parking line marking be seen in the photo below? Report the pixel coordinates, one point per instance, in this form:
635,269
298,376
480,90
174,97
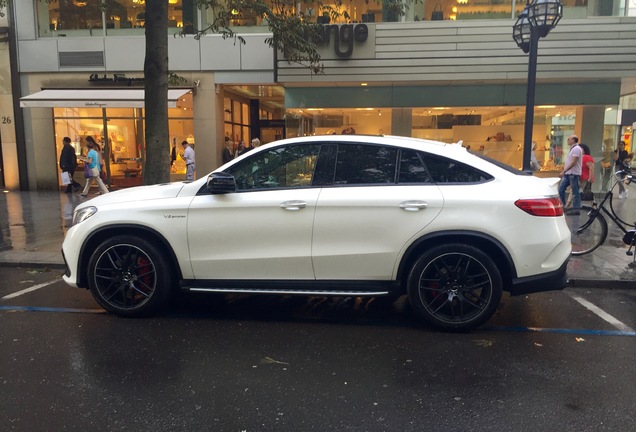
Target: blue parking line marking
564,331
50,309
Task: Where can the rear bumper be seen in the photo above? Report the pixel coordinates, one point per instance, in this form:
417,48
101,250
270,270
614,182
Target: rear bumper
553,281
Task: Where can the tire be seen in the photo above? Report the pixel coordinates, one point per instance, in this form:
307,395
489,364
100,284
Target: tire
455,287
128,276
588,229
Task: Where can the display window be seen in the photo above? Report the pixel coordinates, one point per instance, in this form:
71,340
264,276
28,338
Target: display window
237,122
97,18
120,134
497,132
123,17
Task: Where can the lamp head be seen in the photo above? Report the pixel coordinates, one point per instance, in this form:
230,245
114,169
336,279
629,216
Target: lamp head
544,15
521,31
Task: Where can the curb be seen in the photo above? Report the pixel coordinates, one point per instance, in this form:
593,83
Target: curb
31,264
572,283
601,283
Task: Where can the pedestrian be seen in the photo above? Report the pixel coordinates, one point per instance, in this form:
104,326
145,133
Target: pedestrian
68,163
587,172
622,166
571,172
173,152
606,161
558,154
228,151
256,143
93,159
243,149
188,157
534,163
587,168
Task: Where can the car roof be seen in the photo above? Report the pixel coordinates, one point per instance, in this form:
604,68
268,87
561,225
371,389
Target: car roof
389,140
453,150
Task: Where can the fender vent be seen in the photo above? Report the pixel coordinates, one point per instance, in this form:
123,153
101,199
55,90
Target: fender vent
81,58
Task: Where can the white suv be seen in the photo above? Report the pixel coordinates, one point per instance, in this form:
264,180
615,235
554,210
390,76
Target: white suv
329,216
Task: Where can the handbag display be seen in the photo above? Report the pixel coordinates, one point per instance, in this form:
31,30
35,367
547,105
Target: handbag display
438,14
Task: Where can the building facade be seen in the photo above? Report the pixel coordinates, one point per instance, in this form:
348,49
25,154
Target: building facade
447,70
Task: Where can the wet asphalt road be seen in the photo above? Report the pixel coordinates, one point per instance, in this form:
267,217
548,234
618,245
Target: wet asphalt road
245,363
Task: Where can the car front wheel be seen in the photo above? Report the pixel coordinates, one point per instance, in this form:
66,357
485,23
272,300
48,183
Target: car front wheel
455,287
129,277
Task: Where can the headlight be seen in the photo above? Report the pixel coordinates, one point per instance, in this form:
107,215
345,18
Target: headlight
84,213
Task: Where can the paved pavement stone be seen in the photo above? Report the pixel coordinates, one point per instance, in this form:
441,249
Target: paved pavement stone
33,225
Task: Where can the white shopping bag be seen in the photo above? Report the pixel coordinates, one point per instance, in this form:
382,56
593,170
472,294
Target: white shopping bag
66,178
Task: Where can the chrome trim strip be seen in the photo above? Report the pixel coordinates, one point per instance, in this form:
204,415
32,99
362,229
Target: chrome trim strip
293,292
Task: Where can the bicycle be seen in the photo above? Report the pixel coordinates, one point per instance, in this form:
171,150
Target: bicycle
588,226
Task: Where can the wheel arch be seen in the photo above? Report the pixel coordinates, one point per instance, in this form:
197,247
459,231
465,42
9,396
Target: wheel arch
487,244
101,234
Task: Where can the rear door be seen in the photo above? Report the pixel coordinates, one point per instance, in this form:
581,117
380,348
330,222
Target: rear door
380,198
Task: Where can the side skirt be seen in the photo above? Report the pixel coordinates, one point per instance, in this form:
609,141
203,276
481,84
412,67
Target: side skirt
294,287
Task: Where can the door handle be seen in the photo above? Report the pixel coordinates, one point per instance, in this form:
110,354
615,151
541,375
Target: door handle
413,205
293,205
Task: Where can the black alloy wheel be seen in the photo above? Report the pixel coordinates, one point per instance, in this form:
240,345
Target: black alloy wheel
129,277
455,287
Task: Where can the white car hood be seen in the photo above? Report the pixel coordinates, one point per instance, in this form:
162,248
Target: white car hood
139,193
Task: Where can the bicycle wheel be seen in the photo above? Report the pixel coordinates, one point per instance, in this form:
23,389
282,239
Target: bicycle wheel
588,229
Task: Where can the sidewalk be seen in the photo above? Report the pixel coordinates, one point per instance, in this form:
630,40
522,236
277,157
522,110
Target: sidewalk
33,225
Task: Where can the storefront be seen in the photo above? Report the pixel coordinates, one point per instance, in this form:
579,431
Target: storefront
115,119
495,131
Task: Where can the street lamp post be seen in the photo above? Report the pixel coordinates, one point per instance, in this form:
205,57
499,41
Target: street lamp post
535,22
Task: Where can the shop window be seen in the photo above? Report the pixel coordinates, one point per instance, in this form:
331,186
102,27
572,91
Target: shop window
236,116
87,17
119,132
72,17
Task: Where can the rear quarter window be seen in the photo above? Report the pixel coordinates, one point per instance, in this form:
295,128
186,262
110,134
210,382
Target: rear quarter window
445,171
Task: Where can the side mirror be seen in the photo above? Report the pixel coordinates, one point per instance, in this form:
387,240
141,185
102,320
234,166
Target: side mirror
221,182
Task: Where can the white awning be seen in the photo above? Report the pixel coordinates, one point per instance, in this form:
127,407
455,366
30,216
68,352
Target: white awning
94,98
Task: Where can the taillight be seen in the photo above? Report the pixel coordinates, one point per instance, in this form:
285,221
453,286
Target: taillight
541,206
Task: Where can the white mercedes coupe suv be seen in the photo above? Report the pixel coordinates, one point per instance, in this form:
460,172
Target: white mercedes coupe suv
332,215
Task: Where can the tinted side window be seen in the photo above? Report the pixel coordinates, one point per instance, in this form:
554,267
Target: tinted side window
444,170
281,167
412,168
365,164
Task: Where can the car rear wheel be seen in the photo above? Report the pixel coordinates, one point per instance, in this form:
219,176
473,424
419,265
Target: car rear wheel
455,287
129,277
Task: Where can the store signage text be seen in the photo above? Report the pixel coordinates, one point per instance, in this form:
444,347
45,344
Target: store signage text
343,36
116,78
